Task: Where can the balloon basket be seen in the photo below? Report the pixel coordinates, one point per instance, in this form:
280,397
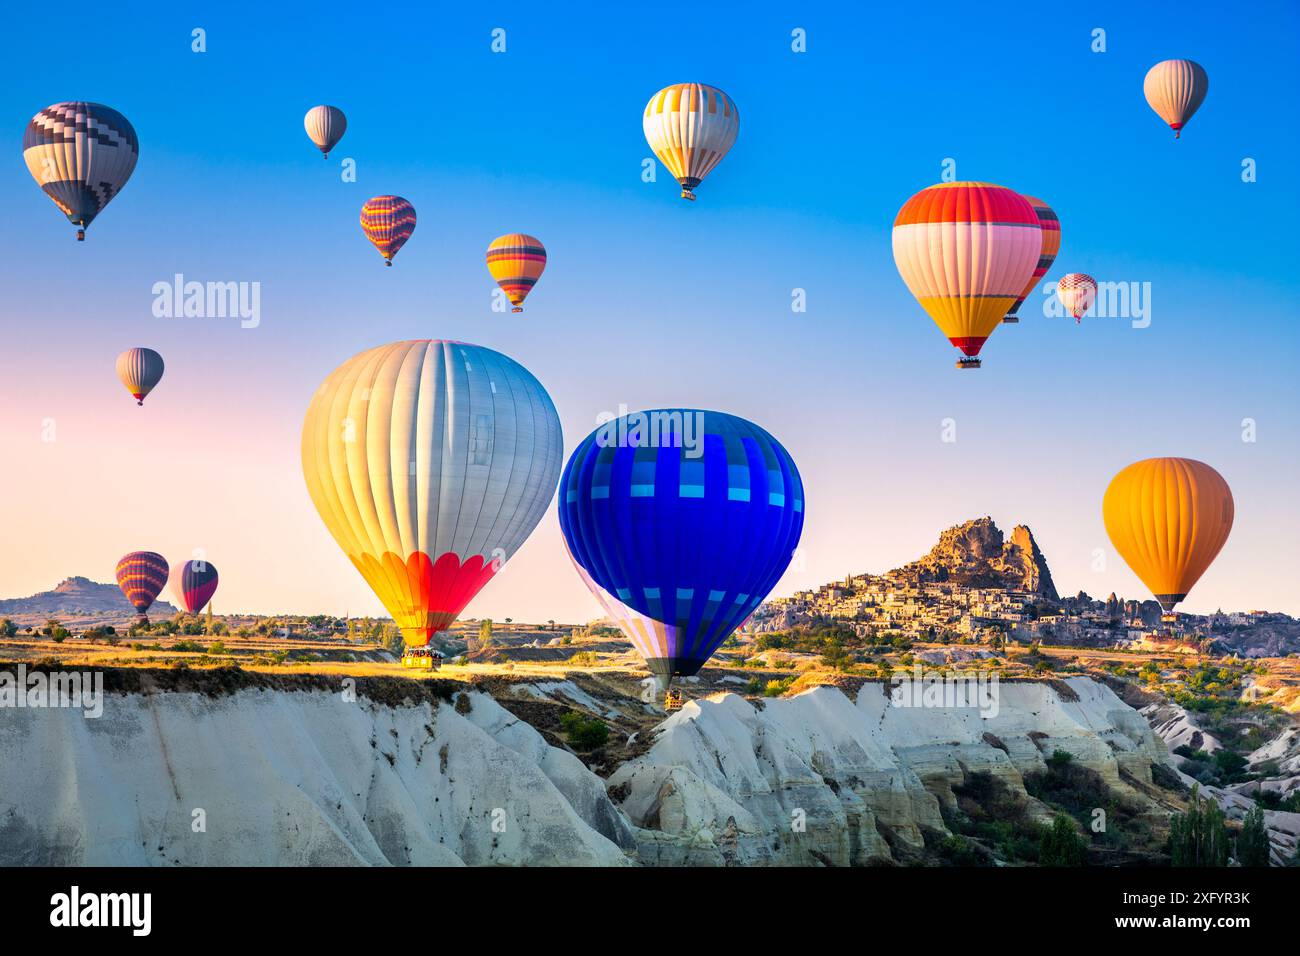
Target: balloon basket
673,700
81,235
389,263
687,194
969,363
1011,319
421,662
517,309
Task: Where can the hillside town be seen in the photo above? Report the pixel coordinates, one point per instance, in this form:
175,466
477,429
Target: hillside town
976,586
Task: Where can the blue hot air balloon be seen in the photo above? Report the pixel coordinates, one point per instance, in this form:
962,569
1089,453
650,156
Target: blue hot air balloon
683,520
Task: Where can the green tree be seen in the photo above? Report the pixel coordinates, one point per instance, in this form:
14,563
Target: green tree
7,627
584,733
1252,844
1060,844
1199,837
485,632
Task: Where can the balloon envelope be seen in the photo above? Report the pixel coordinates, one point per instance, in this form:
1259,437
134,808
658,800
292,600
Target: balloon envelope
142,575
81,154
1050,228
1168,518
140,369
966,252
325,126
686,520
1175,89
194,583
516,262
388,222
1077,291
430,463
690,127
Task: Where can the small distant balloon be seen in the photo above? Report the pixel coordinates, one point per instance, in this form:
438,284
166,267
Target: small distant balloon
1175,89
142,575
690,127
516,262
81,154
1077,291
325,126
140,369
388,222
194,583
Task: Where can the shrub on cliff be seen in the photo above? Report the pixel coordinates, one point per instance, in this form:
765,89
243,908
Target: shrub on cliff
1060,844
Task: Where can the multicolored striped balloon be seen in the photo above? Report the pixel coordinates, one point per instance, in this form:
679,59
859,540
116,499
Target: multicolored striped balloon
680,521
430,463
142,575
1175,89
81,154
325,126
1051,229
1077,291
194,583
140,369
388,222
690,127
516,262
966,252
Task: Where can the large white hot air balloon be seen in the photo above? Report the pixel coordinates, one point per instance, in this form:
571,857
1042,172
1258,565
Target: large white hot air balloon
430,463
1175,89
690,127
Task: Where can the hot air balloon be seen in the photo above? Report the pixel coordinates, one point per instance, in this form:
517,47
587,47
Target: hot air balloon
194,583
388,222
681,522
1077,291
1168,518
690,127
516,262
430,462
1051,238
325,126
1175,89
966,251
81,154
140,370
142,575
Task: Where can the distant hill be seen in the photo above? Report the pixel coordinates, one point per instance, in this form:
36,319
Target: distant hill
81,597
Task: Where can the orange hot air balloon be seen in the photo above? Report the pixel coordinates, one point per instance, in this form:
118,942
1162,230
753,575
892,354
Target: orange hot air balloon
1051,230
1168,518
516,262
966,251
1175,89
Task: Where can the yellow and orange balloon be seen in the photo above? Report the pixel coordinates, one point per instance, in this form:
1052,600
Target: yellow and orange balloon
1168,518
690,127
516,262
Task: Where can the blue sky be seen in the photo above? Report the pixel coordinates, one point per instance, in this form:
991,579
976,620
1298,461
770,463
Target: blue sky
647,300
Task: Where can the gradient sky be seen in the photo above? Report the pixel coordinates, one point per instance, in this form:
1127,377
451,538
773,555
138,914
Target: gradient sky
647,300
